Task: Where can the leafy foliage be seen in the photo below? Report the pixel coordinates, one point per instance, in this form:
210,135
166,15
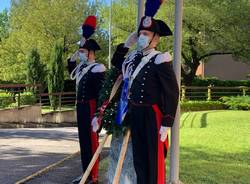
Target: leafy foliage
8,100
38,24
108,121
201,105
4,24
5,99
217,82
237,103
214,28
56,73
36,73
209,28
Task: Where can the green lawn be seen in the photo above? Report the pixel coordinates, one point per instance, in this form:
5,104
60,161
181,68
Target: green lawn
215,147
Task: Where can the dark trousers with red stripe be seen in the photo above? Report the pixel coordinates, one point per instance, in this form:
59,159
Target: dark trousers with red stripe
87,138
148,151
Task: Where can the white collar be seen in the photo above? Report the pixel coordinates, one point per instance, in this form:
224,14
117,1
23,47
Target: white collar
146,52
89,62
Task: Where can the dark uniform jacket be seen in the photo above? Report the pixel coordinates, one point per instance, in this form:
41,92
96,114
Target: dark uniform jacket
155,84
91,83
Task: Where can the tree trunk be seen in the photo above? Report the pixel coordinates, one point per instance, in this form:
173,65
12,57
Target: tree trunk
189,77
128,175
194,62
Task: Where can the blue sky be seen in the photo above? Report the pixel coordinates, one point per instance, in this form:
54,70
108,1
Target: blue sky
4,4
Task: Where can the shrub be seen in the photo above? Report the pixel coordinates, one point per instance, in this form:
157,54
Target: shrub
217,82
27,98
5,100
237,102
201,105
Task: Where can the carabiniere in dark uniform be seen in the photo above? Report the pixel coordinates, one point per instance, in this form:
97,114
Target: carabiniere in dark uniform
153,99
88,88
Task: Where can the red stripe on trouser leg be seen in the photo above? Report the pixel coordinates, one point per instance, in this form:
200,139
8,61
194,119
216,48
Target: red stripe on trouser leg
161,146
94,141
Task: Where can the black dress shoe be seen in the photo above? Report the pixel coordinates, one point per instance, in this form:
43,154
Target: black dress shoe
77,180
91,182
88,181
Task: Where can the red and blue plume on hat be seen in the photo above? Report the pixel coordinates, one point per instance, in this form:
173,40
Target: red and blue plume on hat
151,7
89,26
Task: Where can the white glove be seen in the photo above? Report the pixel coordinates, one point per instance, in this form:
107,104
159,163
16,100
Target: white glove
164,133
131,40
95,124
74,56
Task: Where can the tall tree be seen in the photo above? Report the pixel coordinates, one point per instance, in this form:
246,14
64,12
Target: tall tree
55,73
36,73
4,24
210,27
38,24
214,28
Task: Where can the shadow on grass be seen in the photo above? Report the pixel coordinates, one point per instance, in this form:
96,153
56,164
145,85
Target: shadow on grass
204,120
191,117
185,119
203,166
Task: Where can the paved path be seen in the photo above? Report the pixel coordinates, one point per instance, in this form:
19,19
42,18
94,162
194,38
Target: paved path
66,172
25,151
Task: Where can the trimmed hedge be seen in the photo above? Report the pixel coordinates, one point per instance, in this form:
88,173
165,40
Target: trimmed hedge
217,82
233,103
201,105
237,102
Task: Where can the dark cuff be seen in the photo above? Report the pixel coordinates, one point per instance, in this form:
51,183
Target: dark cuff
119,56
167,121
121,49
70,62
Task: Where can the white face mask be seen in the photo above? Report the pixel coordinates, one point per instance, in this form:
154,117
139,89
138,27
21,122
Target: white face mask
83,57
142,43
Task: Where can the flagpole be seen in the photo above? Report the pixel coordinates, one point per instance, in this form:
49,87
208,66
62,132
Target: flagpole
140,12
110,33
175,150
